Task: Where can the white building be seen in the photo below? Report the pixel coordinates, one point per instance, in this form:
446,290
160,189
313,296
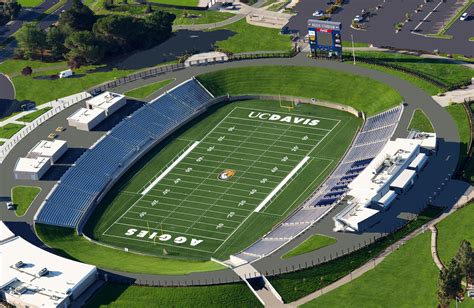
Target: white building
86,119
108,102
32,277
31,168
391,173
51,149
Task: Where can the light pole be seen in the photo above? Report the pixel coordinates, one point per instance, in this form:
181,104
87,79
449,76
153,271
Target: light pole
353,53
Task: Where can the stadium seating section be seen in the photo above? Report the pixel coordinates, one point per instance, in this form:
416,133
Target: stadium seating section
80,186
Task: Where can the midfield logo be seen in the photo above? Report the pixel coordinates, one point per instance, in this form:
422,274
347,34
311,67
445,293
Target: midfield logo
280,118
226,174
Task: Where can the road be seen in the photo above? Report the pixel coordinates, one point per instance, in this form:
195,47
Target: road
438,171
380,29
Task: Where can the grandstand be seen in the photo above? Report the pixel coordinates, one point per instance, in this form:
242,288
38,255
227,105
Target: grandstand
371,139
82,185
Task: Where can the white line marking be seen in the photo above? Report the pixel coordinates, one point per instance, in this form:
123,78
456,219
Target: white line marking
282,183
177,161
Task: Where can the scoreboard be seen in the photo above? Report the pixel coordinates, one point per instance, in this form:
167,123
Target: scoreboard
325,36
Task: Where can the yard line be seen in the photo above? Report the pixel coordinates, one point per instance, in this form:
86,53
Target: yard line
213,184
292,138
247,173
289,154
251,143
262,168
240,129
287,113
235,176
200,196
183,207
267,151
282,183
169,231
164,173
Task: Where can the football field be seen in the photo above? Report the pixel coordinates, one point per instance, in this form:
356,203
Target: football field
207,191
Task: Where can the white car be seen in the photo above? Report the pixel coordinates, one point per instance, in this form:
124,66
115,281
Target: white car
318,13
10,206
464,16
358,18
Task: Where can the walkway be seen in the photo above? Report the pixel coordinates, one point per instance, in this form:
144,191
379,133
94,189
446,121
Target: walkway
439,169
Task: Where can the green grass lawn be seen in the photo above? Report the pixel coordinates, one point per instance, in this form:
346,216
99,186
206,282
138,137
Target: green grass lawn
458,113
22,197
145,91
453,229
30,3
293,286
177,2
406,278
438,69
68,244
420,122
315,242
228,295
249,38
34,115
326,155
14,67
9,130
360,92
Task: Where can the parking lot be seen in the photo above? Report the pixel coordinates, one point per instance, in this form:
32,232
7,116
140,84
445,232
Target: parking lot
378,28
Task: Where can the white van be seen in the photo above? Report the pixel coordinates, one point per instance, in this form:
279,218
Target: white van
66,74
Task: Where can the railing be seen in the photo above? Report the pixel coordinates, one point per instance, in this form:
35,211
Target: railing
13,141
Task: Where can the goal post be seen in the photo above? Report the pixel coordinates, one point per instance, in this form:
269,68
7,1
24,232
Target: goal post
287,105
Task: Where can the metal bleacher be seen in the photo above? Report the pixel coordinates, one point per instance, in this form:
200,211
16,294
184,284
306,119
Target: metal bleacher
79,187
373,136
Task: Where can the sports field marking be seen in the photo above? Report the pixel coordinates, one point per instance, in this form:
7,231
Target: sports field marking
282,183
276,123
164,173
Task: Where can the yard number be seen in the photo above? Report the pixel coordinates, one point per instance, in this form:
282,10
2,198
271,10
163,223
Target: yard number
166,191
241,203
154,202
189,169
304,138
219,226
284,159
209,149
295,148
263,181
221,138
200,158
274,169
231,128
252,192
230,215
177,180
142,214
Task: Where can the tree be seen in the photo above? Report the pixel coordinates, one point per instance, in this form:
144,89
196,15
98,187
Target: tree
11,10
465,258
84,48
120,33
160,26
449,283
27,71
31,40
55,39
78,18
149,9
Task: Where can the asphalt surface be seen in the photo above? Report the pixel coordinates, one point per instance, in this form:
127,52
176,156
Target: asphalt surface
438,171
380,29
7,95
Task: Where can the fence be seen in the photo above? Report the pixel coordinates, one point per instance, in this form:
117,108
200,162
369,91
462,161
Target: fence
13,141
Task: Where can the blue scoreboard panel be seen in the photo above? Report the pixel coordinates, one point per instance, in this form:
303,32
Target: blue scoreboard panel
325,36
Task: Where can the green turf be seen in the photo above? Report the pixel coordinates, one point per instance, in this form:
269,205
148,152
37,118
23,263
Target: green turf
460,117
438,69
250,38
293,286
315,242
348,44
420,122
34,115
14,67
244,150
362,93
453,229
9,130
70,245
406,278
22,197
229,295
30,3
145,91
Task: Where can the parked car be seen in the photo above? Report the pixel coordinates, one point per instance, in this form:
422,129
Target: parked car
285,30
464,16
66,74
10,206
52,136
358,18
318,13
